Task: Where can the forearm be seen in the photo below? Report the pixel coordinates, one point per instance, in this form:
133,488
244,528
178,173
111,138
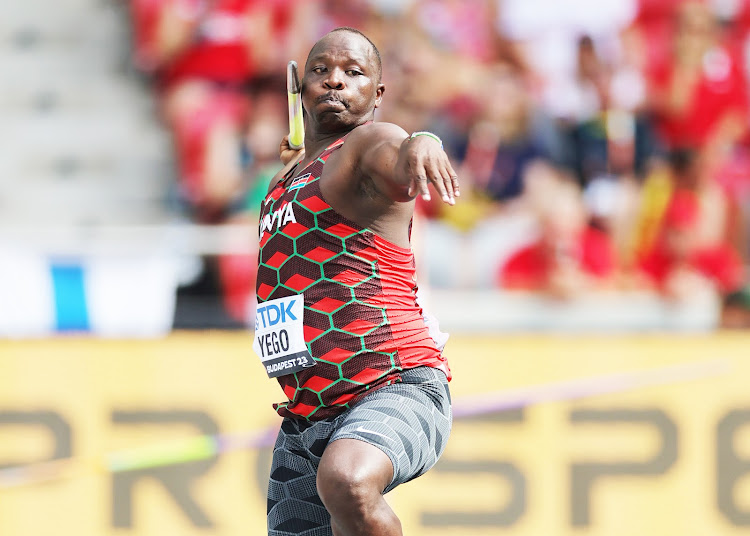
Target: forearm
402,166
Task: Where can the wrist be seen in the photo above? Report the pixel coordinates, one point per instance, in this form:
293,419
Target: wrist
425,133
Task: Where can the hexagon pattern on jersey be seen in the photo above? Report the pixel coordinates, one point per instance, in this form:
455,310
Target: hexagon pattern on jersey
310,249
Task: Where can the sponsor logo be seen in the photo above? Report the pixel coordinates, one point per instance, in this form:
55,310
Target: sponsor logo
271,314
362,429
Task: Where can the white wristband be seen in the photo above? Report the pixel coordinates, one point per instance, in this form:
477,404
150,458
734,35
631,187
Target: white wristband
429,134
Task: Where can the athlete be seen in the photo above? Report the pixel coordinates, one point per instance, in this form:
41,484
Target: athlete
337,322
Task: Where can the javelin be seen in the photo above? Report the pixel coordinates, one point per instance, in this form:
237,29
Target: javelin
204,447
296,120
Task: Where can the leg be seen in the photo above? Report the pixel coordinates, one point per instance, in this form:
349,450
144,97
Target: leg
294,506
390,437
351,478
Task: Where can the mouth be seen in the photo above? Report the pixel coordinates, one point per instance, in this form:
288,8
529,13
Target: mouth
331,99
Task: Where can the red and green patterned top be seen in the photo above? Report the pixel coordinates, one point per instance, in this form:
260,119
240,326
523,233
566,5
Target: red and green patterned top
362,322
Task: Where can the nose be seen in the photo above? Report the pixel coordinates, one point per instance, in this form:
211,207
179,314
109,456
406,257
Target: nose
335,79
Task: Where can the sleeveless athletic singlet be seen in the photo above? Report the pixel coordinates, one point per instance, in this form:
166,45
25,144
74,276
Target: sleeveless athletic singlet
362,323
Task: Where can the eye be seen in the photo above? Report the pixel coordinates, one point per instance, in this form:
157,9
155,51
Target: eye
318,70
354,72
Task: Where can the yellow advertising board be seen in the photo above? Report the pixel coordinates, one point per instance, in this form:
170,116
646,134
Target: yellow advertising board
554,435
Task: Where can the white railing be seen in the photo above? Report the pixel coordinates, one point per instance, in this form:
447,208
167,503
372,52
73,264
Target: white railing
176,239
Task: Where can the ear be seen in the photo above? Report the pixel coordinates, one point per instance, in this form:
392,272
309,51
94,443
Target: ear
379,94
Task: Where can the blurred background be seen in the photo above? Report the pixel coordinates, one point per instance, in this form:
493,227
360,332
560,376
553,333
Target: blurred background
596,266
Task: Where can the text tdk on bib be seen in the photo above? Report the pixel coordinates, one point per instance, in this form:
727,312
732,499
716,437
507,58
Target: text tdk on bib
279,336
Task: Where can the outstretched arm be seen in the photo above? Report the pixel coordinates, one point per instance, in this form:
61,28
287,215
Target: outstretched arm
402,166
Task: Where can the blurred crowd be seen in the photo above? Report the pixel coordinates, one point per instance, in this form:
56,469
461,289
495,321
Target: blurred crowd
602,146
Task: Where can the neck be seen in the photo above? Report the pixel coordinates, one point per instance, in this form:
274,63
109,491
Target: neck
317,144
318,136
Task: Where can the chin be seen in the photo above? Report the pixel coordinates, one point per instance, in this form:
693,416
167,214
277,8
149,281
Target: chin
334,120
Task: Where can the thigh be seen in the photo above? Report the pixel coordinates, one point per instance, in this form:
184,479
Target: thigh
294,506
409,421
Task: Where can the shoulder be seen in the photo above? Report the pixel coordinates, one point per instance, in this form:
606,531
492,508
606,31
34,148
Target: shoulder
356,178
367,151
370,150
373,134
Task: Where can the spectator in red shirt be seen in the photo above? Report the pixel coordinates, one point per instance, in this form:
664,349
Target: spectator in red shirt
680,263
699,99
569,257
203,55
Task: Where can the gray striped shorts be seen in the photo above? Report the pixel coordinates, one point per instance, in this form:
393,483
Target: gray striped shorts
409,421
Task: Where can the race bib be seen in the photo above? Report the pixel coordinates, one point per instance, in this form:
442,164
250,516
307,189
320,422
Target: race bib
279,336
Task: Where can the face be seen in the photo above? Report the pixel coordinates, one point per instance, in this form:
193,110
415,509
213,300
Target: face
341,87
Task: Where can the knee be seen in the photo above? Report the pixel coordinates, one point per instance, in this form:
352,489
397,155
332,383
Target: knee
345,490
351,477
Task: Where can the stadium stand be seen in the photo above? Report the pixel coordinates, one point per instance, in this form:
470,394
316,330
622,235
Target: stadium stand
80,144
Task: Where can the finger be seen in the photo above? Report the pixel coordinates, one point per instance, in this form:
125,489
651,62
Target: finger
448,185
456,190
446,179
419,186
436,178
454,178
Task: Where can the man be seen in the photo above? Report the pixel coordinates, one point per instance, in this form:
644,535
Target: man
337,320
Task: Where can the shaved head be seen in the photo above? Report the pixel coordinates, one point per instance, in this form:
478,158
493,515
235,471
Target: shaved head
373,48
